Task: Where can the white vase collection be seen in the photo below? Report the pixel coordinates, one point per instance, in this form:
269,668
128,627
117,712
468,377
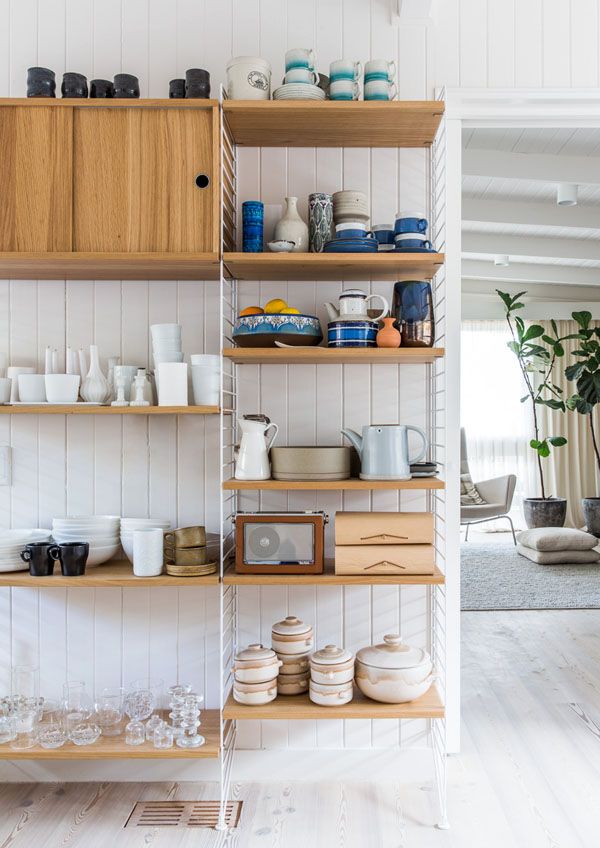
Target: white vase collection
291,227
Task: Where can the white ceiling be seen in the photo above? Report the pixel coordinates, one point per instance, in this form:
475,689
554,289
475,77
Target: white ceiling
509,206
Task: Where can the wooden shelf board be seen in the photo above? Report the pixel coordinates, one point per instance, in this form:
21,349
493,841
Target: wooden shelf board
110,103
108,266
118,573
333,266
329,578
83,409
353,484
114,747
293,707
301,123
333,356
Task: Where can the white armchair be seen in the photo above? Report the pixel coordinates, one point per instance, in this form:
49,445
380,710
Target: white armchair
497,494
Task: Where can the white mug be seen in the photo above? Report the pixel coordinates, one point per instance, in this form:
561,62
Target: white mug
206,384
148,552
380,90
344,69
344,90
298,57
301,75
5,384
380,69
248,78
32,388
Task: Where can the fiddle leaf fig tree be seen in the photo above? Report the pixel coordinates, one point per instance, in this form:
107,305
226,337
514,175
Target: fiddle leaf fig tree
586,374
537,352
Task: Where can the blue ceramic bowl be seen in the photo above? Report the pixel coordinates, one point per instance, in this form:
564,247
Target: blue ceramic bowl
351,245
265,330
352,334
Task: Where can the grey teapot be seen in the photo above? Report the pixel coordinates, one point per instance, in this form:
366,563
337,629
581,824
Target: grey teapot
383,450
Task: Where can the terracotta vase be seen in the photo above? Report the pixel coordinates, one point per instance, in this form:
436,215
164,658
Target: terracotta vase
388,336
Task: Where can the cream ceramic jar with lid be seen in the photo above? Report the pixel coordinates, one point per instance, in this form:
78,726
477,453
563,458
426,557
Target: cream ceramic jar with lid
393,672
255,694
332,665
294,663
331,694
292,684
256,664
291,636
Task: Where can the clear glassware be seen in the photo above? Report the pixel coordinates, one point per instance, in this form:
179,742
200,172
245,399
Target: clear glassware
163,736
7,728
26,729
153,722
52,731
25,682
84,733
178,690
190,722
78,707
154,685
135,733
109,712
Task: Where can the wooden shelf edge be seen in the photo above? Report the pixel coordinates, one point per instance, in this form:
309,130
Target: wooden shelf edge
300,707
113,574
111,103
77,265
353,483
329,578
333,356
83,409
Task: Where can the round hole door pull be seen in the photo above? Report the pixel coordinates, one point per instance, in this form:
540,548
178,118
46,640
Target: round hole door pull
202,180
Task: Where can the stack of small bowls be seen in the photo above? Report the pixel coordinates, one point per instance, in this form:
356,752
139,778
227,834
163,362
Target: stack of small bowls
187,553
101,531
292,639
166,343
255,675
128,525
331,676
351,219
410,233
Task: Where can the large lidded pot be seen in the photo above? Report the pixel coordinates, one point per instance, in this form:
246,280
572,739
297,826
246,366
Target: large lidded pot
291,636
256,664
332,665
393,672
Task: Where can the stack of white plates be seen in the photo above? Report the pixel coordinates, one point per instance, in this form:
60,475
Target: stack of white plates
128,525
298,91
12,542
101,531
166,343
350,206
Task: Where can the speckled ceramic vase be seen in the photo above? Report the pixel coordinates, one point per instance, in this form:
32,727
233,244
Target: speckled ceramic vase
320,220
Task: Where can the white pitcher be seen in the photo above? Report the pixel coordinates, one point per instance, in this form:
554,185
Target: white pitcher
252,456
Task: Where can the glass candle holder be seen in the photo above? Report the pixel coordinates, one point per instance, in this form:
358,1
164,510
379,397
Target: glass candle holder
135,733
163,736
153,722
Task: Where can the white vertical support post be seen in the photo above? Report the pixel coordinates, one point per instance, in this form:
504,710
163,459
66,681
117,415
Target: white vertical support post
452,426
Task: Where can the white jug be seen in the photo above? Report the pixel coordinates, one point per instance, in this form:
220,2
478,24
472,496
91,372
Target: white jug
252,456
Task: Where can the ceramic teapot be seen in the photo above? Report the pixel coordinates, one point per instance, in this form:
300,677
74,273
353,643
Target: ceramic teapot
252,456
353,306
383,451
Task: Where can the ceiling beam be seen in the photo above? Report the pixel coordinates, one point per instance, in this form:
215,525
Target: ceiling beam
537,214
527,166
553,248
521,272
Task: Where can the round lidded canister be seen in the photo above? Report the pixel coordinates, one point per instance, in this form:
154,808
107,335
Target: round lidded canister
292,636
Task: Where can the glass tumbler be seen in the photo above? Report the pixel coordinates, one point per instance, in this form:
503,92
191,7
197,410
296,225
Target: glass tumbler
7,728
109,711
25,682
135,733
52,732
26,729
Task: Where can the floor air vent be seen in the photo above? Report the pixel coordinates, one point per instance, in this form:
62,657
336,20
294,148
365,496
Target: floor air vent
182,814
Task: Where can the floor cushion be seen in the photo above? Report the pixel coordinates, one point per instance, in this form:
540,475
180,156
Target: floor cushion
558,557
557,539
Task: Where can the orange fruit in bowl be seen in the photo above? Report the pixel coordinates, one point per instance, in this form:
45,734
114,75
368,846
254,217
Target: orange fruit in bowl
252,310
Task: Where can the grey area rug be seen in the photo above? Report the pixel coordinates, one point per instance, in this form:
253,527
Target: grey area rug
495,577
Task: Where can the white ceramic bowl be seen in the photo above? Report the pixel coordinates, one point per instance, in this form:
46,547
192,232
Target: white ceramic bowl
377,685
255,694
161,331
98,541
101,554
331,695
209,360
281,246
88,519
32,388
62,388
145,522
294,663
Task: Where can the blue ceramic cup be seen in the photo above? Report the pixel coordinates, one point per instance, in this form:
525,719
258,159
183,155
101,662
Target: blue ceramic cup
415,241
384,233
344,69
253,213
352,230
299,57
410,222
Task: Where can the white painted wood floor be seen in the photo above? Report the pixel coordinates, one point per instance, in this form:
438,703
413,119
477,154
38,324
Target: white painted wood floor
529,773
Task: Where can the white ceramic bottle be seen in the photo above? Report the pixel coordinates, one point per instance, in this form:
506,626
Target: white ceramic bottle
291,227
95,388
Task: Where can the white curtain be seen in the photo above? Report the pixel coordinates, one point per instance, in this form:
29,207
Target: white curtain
498,427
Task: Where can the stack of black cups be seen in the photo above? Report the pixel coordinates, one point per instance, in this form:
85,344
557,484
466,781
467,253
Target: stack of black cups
196,84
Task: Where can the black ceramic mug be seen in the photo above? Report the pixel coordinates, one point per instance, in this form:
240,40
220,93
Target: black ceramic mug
177,88
126,85
74,85
72,557
197,83
39,559
41,82
101,88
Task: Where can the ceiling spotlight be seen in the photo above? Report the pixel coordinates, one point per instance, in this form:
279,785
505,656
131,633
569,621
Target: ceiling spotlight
566,194
501,259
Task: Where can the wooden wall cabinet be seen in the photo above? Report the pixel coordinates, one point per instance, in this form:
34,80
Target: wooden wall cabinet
109,189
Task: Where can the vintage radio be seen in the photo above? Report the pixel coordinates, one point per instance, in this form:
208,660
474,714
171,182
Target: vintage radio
279,542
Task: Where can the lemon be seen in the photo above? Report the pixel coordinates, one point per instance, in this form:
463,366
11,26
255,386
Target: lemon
252,310
289,310
276,305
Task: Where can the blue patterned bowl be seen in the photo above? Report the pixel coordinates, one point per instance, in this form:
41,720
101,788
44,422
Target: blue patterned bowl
352,333
265,330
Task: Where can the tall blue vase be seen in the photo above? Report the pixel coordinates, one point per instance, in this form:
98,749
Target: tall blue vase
253,215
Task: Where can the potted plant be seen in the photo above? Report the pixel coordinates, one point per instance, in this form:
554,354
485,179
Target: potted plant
586,375
537,352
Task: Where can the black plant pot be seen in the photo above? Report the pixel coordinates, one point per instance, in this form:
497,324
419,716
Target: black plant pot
545,512
74,85
126,86
41,82
591,511
101,88
177,89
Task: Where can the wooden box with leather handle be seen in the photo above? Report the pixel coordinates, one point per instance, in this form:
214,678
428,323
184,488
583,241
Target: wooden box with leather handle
384,543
